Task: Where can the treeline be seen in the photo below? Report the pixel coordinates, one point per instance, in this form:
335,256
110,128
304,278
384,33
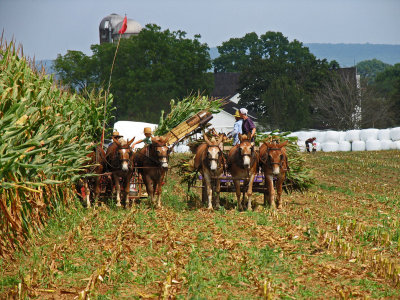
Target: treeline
282,81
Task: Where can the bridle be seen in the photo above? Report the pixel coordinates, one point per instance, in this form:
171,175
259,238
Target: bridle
128,160
271,163
220,155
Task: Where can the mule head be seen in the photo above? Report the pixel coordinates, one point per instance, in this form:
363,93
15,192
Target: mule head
275,156
214,153
159,144
246,150
125,153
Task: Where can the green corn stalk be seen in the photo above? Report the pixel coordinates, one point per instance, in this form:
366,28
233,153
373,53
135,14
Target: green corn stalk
184,109
45,135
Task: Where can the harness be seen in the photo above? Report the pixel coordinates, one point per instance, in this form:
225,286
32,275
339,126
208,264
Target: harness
267,161
156,162
121,160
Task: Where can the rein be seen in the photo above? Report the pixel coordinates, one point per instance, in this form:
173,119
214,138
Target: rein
120,160
158,163
267,161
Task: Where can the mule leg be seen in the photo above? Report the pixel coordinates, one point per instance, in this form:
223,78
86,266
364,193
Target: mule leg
87,192
149,188
238,194
250,192
271,192
279,191
209,190
96,189
217,192
204,195
118,189
127,187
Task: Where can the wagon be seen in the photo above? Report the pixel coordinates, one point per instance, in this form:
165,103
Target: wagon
184,130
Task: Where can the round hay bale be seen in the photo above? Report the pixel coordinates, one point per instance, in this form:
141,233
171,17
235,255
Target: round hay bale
352,135
301,135
342,135
369,134
302,146
358,146
181,148
344,146
384,134
395,134
386,144
396,145
318,146
330,147
320,135
373,145
332,136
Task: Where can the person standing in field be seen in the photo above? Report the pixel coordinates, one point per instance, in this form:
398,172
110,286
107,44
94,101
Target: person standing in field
237,128
309,142
248,124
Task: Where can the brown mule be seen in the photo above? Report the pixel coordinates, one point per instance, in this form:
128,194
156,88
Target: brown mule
96,166
152,163
274,163
209,160
243,164
120,162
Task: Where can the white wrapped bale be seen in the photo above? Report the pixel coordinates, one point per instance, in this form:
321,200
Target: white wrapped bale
397,145
342,135
352,135
358,146
318,146
384,134
386,144
301,145
332,136
369,134
181,148
373,145
395,134
330,147
344,146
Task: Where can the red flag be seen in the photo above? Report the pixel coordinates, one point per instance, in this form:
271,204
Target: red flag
124,26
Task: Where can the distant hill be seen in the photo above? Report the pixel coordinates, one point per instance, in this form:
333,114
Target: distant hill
347,55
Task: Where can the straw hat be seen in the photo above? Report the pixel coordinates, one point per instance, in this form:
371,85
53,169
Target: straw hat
237,115
147,130
116,134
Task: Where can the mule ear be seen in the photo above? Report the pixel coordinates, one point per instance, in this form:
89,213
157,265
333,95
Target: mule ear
206,139
241,137
249,136
283,144
115,140
130,142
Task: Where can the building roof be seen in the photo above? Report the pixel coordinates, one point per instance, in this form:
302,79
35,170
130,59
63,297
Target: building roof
226,87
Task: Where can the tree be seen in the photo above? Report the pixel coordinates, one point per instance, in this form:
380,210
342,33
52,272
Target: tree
150,70
271,66
387,84
341,104
368,69
75,69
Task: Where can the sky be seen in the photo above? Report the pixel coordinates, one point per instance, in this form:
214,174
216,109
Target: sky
46,28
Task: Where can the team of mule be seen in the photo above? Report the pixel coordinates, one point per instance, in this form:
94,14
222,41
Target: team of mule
242,162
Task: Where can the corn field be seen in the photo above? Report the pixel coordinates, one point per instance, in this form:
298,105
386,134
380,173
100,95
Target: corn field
45,134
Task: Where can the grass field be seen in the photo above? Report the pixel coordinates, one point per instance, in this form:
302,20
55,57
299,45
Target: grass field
340,239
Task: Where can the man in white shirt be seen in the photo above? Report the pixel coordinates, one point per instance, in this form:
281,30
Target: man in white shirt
237,128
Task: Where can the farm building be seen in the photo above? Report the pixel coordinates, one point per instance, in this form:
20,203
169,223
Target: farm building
110,25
